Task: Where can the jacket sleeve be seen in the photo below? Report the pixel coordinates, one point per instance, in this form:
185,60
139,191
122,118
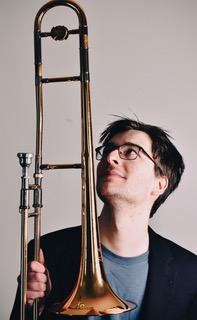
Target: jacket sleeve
15,314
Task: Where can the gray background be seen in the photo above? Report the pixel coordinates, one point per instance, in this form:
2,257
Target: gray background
142,62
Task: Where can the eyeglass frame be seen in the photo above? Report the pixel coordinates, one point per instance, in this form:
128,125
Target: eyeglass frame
117,147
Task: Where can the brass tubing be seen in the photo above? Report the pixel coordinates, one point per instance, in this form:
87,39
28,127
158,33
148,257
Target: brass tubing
37,234
23,268
60,166
25,160
62,79
48,34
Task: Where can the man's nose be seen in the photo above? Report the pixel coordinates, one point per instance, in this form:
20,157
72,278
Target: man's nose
113,157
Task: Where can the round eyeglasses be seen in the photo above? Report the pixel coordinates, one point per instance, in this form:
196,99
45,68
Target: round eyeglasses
126,151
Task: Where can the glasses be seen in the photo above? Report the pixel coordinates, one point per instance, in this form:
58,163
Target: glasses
126,151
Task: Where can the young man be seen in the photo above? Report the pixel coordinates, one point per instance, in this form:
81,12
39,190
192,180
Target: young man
138,168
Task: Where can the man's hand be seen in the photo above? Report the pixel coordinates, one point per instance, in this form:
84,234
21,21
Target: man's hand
38,282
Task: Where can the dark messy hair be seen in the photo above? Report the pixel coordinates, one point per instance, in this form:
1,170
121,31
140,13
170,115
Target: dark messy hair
164,152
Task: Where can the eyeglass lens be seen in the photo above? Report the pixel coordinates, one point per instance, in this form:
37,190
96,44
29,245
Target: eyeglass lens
126,151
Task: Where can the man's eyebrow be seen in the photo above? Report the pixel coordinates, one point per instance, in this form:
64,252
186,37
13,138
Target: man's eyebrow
125,143
129,143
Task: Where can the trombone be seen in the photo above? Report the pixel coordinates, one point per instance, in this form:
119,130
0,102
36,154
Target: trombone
92,294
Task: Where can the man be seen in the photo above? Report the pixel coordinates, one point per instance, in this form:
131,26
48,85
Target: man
138,168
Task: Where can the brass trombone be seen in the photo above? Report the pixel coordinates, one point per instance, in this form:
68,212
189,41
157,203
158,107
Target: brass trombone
92,294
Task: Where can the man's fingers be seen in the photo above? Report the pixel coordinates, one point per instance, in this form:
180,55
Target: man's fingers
37,277
35,266
32,295
49,284
30,302
36,286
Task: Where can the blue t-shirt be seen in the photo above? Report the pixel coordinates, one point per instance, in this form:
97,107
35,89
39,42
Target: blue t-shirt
127,276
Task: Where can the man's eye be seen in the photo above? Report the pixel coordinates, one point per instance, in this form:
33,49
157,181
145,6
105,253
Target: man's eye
129,151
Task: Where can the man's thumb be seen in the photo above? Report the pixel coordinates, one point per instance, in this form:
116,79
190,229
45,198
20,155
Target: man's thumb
42,261
41,257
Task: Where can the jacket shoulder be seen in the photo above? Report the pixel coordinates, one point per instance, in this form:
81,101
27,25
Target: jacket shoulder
178,252
62,235
60,241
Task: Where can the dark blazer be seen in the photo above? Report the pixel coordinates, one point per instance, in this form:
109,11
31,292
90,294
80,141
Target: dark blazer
171,291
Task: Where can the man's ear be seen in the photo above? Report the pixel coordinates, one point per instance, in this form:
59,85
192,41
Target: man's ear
161,185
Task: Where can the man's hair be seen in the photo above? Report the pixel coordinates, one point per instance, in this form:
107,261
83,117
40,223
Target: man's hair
164,152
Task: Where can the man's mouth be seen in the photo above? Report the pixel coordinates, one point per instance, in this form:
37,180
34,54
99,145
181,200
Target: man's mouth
113,173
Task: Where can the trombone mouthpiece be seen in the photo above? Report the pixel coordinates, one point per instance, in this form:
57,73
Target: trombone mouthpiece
25,159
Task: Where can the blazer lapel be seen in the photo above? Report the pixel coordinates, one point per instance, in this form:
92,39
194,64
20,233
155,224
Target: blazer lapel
160,282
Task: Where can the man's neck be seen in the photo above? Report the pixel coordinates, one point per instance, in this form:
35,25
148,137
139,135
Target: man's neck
124,231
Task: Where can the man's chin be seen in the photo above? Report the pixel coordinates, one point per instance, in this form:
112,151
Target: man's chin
107,195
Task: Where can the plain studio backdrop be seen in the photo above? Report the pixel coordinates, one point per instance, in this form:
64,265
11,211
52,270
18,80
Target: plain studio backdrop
142,64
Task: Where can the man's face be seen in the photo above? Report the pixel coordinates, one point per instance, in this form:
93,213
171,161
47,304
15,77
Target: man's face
133,181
